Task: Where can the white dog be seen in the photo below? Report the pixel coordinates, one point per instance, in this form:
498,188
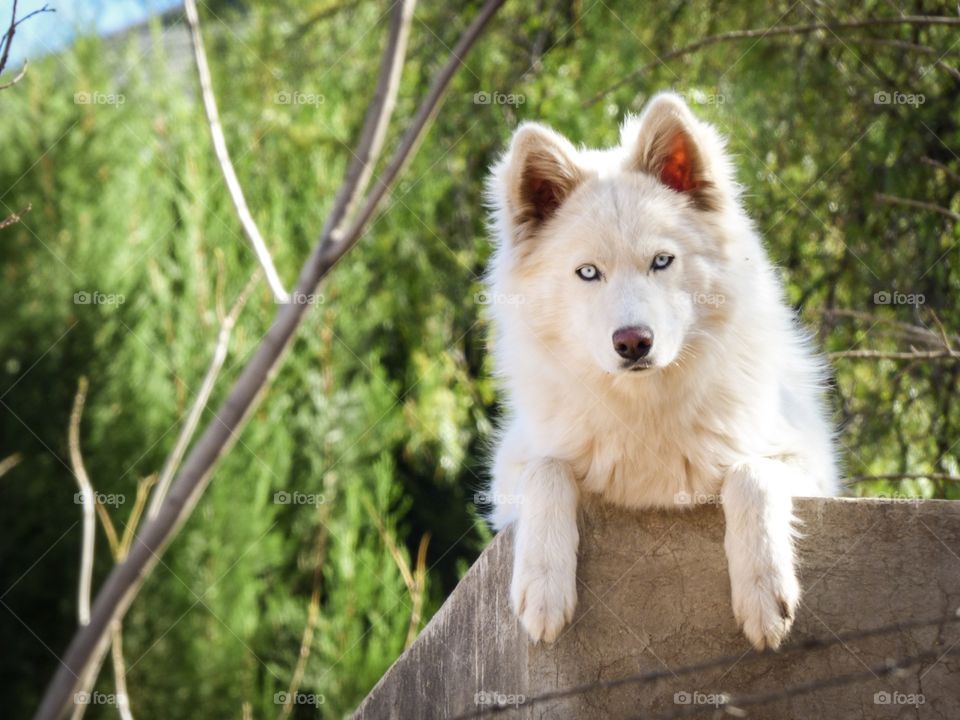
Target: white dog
648,357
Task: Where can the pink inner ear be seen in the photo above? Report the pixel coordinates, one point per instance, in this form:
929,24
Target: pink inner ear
677,171
545,197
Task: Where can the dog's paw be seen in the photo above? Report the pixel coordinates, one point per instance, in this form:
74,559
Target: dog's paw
544,598
765,604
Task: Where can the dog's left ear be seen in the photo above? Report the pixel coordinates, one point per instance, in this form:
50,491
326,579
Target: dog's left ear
668,142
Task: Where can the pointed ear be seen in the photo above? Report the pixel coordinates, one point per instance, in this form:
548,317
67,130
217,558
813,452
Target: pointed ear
670,144
537,176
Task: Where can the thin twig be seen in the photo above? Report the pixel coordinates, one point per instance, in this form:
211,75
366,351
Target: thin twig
415,579
223,157
898,45
124,581
7,40
120,672
736,35
418,594
88,502
9,463
143,492
905,476
953,174
916,333
14,218
910,355
894,200
220,350
374,130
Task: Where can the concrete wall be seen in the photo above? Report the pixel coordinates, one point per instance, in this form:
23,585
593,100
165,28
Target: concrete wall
654,595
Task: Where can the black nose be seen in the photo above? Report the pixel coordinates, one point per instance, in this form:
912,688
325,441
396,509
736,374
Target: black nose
633,343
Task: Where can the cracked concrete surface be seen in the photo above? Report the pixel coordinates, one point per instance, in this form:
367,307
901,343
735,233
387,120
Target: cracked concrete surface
654,596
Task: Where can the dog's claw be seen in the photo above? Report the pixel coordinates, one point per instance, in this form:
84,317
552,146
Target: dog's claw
766,615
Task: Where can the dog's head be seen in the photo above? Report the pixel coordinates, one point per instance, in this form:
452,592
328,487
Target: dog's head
614,255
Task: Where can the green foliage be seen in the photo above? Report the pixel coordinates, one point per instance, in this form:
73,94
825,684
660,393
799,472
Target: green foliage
376,426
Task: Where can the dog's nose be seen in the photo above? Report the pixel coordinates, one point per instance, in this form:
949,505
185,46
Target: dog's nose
633,343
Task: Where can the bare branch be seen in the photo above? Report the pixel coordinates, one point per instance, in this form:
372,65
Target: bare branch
915,333
172,463
374,129
893,355
6,40
14,218
16,78
124,581
133,522
9,463
953,174
88,502
223,157
904,476
894,200
736,35
120,672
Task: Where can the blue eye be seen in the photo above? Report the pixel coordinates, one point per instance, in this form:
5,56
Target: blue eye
662,261
588,273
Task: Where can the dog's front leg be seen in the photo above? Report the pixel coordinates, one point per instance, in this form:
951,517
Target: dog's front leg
757,505
544,587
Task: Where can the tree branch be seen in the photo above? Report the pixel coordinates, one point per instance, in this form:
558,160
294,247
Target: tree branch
223,157
9,463
14,218
893,355
88,502
905,476
735,35
6,40
172,463
125,580
920,204
953,174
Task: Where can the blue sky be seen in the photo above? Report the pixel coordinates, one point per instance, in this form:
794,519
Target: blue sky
51,32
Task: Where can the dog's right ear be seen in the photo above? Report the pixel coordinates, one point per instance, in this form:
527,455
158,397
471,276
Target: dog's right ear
538,175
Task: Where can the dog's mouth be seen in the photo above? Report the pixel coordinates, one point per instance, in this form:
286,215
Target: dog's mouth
637,366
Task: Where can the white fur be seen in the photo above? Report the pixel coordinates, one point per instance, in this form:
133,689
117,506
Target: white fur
730,410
